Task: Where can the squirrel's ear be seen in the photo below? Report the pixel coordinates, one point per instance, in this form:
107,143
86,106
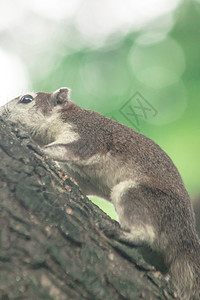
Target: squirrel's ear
62,95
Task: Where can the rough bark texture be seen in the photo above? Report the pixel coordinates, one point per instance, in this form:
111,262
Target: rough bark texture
51,244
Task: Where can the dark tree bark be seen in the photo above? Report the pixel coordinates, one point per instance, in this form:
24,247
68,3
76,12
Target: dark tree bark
51,244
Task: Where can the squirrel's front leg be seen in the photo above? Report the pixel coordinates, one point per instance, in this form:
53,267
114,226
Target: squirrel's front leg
78,151
74,160
58,152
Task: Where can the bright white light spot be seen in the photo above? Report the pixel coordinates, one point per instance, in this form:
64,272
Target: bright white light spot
92,21
13,77
97,19
11,13
53,9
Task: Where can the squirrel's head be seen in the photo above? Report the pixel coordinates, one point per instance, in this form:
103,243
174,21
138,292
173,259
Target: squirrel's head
32,104
37,111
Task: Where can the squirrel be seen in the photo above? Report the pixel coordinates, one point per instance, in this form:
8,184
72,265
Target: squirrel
114,162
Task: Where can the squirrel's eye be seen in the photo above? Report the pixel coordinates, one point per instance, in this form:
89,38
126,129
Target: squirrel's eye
26,99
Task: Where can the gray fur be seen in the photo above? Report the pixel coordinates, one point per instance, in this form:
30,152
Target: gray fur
115,162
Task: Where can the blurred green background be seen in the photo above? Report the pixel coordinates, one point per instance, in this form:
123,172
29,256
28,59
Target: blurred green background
137,62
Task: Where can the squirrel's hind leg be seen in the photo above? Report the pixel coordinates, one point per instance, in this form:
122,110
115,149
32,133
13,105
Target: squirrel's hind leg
135,217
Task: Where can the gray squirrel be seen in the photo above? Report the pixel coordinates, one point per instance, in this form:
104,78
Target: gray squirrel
114,162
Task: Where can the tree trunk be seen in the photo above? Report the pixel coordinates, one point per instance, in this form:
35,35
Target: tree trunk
51,244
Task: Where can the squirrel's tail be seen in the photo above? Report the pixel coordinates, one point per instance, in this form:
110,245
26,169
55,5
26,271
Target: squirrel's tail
185,272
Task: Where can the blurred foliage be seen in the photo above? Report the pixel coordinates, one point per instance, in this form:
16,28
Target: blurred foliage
165,71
